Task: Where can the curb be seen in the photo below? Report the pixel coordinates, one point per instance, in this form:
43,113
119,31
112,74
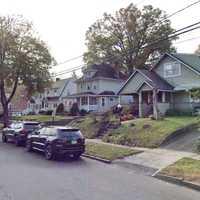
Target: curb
178,181
97,158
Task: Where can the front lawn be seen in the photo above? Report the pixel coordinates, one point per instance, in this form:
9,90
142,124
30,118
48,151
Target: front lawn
186,168
108,152
39,118
146,132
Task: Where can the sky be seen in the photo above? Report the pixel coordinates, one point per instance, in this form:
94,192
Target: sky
62,24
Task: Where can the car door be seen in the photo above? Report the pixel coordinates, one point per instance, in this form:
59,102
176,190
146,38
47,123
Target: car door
10,131
35,137
43,138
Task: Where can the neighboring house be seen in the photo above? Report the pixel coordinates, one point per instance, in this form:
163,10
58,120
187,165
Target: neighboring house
52,98
97,88
166,86
19,102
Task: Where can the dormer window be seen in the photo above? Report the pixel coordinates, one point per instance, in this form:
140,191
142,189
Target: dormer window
172,69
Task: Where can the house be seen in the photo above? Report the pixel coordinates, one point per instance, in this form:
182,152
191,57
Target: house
19,101
166,86
97,88
52,98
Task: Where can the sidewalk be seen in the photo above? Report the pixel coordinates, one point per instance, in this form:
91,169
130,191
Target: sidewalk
152,158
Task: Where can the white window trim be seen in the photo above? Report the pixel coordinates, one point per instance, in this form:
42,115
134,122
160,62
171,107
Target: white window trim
176,75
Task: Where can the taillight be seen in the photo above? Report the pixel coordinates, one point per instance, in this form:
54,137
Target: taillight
81,140
23,131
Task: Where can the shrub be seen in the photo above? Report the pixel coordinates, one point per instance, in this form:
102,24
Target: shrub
42,112
74,109
83,112
198,145
175,112
49,112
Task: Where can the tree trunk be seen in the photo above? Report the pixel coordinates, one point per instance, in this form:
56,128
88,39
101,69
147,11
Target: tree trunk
5,115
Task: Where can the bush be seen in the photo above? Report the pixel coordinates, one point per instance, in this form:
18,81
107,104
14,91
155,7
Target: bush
49,112
74,109
198,145
83,112
175,112
42,112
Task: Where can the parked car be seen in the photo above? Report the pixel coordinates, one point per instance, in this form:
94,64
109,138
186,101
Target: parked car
53,141
18,131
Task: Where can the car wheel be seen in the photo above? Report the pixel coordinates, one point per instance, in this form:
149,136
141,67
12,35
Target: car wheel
48,152
17,142
4,138
28,146
76,156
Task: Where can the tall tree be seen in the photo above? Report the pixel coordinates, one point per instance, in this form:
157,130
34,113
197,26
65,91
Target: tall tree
24,59
121,39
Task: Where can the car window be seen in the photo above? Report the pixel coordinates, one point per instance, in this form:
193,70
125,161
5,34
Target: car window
42,131
51,132
31,126
69,133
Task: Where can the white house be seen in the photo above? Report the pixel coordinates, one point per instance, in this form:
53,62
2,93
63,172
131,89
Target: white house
52,98
97,88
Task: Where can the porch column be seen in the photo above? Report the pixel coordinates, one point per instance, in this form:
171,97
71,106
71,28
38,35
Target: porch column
155,101
163,97
88,98
140,104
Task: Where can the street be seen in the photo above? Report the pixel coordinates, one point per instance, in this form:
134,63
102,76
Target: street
28,176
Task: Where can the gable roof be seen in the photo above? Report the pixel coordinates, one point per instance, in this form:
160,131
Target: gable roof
152,79
104,71
191,61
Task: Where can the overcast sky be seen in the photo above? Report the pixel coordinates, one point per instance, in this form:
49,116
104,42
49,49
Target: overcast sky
63,23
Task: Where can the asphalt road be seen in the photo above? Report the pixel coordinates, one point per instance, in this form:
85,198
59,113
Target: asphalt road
28,176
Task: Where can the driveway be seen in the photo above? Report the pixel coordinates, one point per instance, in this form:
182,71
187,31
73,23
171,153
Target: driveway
182,146
28,176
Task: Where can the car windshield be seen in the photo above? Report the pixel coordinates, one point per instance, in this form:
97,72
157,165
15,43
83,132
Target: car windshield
69,133
32,126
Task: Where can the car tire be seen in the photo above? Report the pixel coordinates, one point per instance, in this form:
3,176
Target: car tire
76,156
17,142
4,139
28,146
48,152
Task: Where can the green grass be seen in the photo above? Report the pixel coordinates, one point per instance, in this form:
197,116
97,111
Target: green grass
88,125
186,168
146,132
39,118
107,151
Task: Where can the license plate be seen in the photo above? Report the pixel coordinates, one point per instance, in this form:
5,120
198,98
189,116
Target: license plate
73,142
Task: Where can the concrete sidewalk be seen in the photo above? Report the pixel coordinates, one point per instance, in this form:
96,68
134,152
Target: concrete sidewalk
153,158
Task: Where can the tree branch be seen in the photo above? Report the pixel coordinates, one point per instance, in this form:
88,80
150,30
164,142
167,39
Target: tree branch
13,90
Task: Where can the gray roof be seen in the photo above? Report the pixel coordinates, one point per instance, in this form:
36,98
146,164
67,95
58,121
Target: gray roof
155,80
192,60
60,83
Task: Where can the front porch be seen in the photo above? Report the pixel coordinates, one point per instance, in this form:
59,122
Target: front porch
152,102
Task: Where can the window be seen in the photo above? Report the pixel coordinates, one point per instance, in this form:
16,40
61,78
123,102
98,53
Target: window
172,69
95,87
88,87
93,101
84,100
111,99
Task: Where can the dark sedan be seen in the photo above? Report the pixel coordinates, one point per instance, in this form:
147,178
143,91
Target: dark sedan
18,131
57,141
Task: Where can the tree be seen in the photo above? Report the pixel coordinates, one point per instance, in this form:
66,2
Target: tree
121,39
24,59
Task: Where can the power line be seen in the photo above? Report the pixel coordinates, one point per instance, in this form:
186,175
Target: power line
182,9
187,40
173,35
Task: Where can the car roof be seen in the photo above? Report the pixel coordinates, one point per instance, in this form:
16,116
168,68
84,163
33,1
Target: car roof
63,127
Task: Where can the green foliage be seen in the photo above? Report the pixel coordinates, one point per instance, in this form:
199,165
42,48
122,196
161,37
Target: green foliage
120,39
195,93
147,132
109,152
175,112
198,145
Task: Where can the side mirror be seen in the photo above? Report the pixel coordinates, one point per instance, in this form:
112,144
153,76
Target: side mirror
36,133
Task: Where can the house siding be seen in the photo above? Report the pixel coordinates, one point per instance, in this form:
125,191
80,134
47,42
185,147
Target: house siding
134,84
186,78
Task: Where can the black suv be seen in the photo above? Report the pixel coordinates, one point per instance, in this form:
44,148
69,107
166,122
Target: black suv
18,131
54,141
